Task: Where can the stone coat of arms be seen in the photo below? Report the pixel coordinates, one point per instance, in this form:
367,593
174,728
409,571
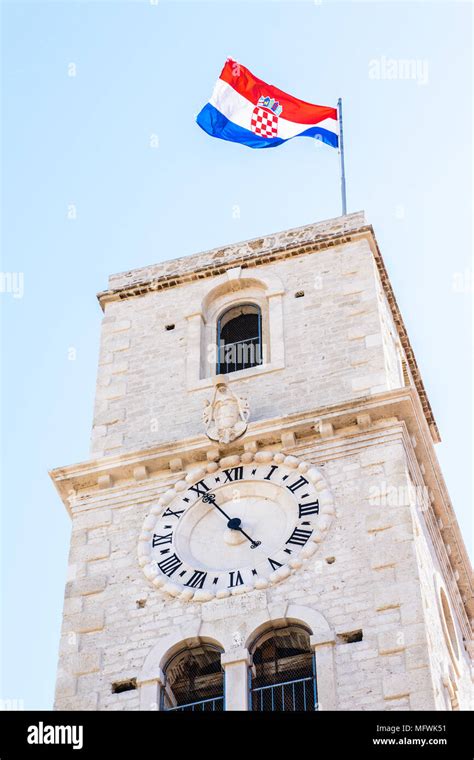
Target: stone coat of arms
225,415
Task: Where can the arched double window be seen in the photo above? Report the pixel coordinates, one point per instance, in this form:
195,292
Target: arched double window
239,338
194,681
283,676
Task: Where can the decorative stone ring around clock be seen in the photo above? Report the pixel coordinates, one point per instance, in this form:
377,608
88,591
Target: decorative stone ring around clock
244,522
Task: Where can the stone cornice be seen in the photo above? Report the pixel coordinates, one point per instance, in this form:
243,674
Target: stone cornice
253,253
330,433
156,459
175,271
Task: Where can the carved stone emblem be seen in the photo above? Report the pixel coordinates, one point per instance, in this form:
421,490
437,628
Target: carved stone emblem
225,415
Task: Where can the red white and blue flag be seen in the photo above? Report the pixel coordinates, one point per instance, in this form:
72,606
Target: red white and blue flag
246,110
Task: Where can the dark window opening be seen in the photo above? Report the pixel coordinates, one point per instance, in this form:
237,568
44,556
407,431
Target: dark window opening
239,339
351,637
129,685
194,681
284,673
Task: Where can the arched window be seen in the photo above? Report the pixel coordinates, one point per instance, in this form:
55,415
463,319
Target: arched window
239,338
194,681
284,672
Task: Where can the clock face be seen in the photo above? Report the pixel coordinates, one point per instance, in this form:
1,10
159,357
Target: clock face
238,524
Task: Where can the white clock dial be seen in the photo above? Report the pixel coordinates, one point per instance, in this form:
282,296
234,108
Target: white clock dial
243,523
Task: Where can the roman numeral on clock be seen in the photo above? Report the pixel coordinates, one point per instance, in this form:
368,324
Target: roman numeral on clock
275,565
169,565
272,470
235,578
297,484
309,509
169,513
236,473
200,488
197,579
299,536
160,540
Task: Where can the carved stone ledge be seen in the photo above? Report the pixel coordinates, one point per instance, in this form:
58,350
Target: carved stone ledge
288,440
213,454
364,421
251,447
105,481
140,472
325,429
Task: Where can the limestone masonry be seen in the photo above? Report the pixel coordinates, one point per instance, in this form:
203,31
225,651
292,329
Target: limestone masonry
387,596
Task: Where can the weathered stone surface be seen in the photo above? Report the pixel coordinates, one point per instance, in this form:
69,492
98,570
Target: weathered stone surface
65,686
396,685
85,662
91,551
128,403
391,641
80,702
85,622
95,518
93,584
369,593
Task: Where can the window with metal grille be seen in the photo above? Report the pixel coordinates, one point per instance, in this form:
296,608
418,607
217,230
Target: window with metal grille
194,681
239,338
283,677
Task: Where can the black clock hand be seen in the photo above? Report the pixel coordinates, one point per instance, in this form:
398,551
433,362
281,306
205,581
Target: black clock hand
210,498
236,526
233,522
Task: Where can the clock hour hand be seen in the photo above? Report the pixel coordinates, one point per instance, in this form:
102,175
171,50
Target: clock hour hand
234,523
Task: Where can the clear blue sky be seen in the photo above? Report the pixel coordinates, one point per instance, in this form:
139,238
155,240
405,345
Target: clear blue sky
145,69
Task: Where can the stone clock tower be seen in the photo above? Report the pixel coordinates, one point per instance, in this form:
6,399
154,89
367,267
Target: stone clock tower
262,523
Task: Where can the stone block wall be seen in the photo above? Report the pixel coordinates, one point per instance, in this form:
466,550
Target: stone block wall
371,574
335,341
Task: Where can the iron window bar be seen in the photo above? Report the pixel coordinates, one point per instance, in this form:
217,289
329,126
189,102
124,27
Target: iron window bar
232,356
269,694
216,704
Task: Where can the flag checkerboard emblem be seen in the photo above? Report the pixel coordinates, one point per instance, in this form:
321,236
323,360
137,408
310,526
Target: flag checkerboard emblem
264,122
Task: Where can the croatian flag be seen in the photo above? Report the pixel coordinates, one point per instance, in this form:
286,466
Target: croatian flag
246,110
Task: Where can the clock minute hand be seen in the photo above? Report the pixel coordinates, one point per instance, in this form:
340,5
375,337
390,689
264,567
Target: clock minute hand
210,498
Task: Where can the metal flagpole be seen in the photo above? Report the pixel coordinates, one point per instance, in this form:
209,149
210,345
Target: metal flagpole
341,154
